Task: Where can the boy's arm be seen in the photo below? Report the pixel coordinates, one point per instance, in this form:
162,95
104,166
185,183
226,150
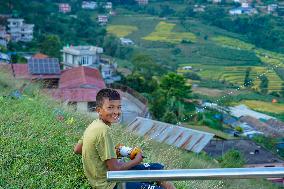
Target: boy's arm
114,165
78,148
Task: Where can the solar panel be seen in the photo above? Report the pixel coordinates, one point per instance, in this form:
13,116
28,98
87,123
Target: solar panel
45,66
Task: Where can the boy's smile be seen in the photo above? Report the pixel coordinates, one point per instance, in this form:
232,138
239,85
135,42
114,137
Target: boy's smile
110,111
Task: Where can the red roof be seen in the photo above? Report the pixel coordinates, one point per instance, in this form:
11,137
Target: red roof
40,56
75,95
79,84
80,76
21,72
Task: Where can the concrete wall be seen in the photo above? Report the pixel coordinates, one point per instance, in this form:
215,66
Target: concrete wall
82,106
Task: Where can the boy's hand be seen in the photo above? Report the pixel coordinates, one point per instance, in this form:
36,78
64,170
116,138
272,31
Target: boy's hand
138,158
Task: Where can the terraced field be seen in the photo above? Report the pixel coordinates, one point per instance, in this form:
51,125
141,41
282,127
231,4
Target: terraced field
268,57
264,106
236,75
163,33
121,30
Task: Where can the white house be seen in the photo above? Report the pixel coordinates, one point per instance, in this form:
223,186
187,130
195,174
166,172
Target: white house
187,68
4,58
89,5
4,37
64,7
102,19
126,41
20,31
271,8
243,10
142,2
216,1
108,5
75,56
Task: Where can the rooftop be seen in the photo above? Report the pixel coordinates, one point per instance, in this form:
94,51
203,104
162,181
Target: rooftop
82,50
80,84
83,77
253,153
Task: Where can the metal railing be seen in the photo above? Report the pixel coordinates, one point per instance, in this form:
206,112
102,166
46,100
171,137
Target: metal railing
194,174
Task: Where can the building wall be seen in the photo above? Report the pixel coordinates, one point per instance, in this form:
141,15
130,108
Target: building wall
82,106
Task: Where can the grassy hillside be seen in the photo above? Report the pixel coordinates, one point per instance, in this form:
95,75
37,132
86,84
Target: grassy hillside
37,147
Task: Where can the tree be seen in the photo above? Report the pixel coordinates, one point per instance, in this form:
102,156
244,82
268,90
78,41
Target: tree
248,81
170,117
51,45
263,86
282,90
174,85
145,65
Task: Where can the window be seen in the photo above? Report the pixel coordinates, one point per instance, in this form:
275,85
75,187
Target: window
92,106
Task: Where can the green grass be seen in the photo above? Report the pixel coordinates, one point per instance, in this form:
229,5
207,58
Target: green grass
121,30
37,148
163,33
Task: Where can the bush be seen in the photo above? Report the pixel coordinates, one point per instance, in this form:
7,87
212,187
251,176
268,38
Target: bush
239,129
232,159
192,75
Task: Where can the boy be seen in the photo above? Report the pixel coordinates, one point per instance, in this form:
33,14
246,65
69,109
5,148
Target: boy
97,149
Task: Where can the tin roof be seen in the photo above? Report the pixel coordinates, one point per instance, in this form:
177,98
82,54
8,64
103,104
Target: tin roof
181,137
21,71
82,76
80,84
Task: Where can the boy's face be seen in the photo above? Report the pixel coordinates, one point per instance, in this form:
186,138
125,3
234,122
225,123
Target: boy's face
110,111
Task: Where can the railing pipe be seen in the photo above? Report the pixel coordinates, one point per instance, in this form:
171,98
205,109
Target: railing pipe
195,174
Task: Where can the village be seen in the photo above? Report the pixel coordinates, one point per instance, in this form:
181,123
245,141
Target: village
82,70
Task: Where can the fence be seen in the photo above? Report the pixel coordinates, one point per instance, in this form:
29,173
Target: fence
194,174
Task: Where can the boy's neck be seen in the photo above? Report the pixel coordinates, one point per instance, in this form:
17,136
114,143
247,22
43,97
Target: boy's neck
105,122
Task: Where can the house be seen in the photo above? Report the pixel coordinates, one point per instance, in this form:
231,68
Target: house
39,56
108,70
75,56
199,8
272,8
267,127
243,110
126,41
89,5
254,155
4,58
187,68
142,2
216,1
181,137
46,70
20,31
64,7
108,5
78,87
4,37
103,19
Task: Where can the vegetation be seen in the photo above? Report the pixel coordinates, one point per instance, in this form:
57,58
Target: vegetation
277,108
121,30
231,159
33,160
163,32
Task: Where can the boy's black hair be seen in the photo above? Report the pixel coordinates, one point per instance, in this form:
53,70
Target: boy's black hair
111,94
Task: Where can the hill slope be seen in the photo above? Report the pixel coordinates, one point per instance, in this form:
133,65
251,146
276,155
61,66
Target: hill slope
37,147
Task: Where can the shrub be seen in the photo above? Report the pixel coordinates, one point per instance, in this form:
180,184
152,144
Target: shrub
231,159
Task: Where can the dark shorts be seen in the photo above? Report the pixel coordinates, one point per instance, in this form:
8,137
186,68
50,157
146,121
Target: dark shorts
144,185
140,185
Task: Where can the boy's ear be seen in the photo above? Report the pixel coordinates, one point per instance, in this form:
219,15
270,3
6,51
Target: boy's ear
98,109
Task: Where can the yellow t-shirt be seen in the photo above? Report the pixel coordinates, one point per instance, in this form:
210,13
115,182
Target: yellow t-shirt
97,148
